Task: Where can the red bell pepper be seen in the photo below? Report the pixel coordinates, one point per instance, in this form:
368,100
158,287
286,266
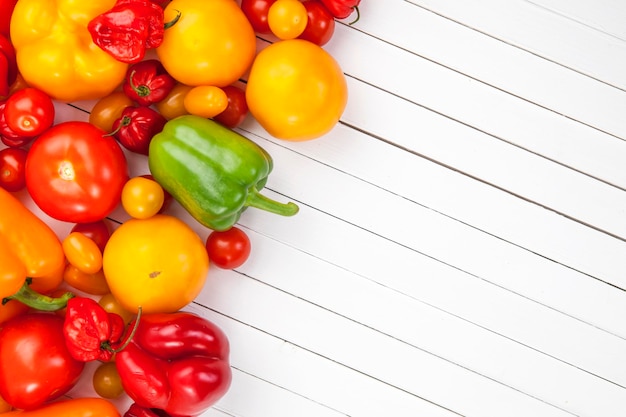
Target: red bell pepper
6,11
136,410
341,9
90,331
176,362
136,127
147,82
130,28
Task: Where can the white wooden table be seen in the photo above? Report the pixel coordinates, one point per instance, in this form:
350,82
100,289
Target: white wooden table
460,247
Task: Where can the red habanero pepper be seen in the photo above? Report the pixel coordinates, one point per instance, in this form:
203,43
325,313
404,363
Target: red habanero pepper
342,8
91,333
176,362
147,82
130,28
136,127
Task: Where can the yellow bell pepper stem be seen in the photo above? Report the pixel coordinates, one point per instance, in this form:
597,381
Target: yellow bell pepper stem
55,52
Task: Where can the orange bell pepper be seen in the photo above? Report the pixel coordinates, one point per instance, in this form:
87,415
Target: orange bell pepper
79,407
31,257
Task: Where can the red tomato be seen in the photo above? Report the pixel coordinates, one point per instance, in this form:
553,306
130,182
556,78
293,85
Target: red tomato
320,26
75,173
257,11
228,249
98,231
237,108
12,169
7,135
35,364
29,112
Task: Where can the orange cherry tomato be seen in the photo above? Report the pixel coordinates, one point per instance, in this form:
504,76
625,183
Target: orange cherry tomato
82,252
95,284
173,105
142,197
206,101
108,109
107,382
287,19
110,304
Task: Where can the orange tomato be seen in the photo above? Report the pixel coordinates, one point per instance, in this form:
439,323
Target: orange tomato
142,197
82,252
173,105
287,18
158,263
206,101
296,90
94,284
108,109
212,43
110,304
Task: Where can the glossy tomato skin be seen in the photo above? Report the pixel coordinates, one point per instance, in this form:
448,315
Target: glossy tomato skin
12,169
320,25
35,364
237,108
75,173
228,249
29,112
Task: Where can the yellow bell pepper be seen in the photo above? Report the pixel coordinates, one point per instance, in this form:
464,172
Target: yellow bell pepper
55,52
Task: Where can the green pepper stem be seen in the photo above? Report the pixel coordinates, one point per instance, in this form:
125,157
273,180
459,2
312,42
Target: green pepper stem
33,299
130,336
258,200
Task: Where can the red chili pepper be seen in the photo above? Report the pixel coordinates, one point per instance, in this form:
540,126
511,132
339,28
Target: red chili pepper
147,82
136,127
90,331
129,29
341,9
176,362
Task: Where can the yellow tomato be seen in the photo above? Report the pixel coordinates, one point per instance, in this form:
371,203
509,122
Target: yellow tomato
206,101
110,304
296,90
82,252
212,43
142,197
158,263
287,19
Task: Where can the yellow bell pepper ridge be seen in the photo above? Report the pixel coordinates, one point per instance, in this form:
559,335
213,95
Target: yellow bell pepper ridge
31,254
55,52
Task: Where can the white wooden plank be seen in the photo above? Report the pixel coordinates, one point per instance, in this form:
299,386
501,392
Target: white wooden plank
607,16
487,60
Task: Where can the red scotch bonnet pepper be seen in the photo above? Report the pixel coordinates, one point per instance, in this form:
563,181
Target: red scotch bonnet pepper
136,127
175,362
147,82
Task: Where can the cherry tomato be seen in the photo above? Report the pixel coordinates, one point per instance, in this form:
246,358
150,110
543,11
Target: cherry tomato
228,249
94,284
35,364
29,112
206,101
173,105
82,252
108,109
9,136
256,11
142,197
98,231
74,173
320,25
106,381
110,304
287,18
12,169
237,108
167,197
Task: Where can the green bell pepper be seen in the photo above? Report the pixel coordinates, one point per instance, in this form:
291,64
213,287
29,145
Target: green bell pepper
212,171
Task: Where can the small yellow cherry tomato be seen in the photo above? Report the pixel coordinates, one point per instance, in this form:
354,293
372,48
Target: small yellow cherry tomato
110,304
173,105
296,90
82,252
142,197
94,284
107,382
287,19
206,101
158,263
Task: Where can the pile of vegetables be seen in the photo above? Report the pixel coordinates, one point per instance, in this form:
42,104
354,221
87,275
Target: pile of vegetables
170,81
